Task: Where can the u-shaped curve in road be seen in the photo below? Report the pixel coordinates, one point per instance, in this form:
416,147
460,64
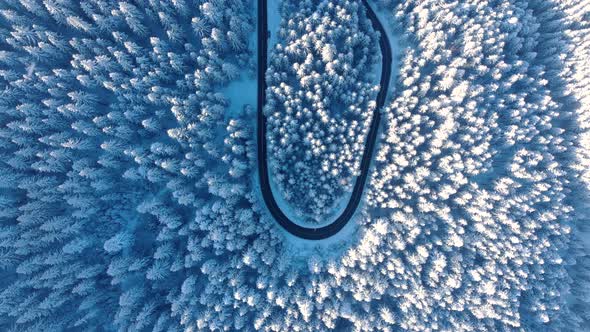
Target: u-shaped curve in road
323,232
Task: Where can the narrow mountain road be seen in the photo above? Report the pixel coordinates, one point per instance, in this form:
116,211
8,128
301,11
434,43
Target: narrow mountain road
323,232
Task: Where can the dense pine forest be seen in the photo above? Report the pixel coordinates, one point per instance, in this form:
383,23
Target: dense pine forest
129,198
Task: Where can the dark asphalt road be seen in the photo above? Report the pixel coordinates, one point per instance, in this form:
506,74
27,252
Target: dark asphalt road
333,228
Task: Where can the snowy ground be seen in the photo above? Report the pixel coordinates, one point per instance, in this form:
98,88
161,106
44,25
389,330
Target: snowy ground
388,20
242,91
301,248
274,22
331,247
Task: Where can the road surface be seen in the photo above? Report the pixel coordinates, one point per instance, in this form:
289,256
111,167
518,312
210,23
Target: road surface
323,232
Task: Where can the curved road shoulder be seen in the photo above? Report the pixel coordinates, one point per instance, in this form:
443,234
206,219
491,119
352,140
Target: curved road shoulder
323,232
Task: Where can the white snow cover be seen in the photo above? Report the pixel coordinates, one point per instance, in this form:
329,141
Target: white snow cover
128,201
320,102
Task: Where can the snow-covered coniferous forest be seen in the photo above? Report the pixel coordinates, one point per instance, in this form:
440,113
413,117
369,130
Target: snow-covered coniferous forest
130,144
320,103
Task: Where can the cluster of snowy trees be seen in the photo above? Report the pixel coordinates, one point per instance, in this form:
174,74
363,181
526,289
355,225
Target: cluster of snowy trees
115,158
478,153
321,97
125,194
